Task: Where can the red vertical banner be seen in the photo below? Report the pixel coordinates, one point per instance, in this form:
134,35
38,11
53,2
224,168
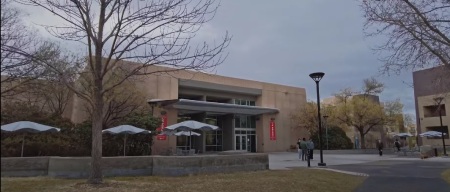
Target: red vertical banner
161,128
273,135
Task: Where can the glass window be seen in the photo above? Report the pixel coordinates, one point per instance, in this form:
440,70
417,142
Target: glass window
238,143
253,122
183,143
244,142
219,140
237,121
243,122
244,102
213,140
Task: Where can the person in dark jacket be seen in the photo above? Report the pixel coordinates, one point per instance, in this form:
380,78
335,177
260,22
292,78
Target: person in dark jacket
380,147
299,148
397,144
302,148
310,148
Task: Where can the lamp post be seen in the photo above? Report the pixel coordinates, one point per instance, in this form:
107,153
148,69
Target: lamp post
439,102
317,77
326,128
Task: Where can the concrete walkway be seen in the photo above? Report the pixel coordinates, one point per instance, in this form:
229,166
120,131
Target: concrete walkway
287,160
401,175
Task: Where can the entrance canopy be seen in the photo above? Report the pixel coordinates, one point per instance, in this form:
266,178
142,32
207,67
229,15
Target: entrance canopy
213,107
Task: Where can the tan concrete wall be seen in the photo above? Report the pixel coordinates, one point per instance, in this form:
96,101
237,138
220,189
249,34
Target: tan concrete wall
432,121
78,167
24,166
165,86
285,98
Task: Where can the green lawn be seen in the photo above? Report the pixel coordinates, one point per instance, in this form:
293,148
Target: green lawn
292,180
446,175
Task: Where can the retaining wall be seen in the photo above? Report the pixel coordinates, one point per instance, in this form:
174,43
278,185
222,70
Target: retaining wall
78,167
24,166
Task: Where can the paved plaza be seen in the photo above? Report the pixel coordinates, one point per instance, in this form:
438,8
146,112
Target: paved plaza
287,160
386,173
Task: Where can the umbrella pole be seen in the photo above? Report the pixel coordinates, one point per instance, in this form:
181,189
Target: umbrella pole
186,143
190,140
23,144
124,144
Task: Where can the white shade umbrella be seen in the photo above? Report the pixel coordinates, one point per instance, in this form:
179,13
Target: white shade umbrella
431,134
187,133
192,125
27,127
403,135
181,133
126,130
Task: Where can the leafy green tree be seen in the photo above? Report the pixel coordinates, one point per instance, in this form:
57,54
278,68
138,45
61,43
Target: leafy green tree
337,139
307,118
364,112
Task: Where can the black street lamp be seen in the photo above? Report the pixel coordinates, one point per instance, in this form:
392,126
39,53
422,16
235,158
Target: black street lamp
317,77
326,128
439,102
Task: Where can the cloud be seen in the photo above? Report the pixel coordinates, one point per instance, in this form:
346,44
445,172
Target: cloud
283,42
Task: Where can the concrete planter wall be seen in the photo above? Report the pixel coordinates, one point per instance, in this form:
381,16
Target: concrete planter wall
25,166
78,167
170,166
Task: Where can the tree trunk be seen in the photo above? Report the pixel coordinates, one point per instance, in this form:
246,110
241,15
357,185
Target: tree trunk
96,176
363,140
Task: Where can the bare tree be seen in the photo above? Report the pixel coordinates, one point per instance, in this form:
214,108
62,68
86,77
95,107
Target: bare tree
418,32
47,90
156,32
16,43
123,101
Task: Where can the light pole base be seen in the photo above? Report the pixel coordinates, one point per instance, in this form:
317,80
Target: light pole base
321,164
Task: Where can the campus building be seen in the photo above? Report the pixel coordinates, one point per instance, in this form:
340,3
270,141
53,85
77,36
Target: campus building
430,86
252,116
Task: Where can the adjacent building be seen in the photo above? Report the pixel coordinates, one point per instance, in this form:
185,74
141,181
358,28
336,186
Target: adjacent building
431,95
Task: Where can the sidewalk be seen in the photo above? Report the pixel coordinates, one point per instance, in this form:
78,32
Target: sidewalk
287,160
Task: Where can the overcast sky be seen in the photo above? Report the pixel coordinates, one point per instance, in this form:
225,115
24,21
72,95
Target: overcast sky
284,41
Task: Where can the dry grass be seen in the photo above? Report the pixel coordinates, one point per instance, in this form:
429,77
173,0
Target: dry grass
446,175
295,180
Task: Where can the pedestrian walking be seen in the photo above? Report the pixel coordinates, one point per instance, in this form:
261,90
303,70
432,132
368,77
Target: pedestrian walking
380,147
397,145
299,141
310,148
304,147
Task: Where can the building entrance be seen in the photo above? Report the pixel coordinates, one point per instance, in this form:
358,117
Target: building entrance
245,141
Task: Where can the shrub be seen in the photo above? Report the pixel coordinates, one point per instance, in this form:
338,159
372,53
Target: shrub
73,140
337,139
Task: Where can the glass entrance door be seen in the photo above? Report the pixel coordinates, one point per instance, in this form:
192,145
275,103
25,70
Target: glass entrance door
251,143
242,143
